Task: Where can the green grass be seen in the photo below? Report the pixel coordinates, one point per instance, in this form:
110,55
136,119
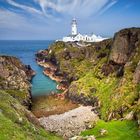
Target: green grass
117,130
12,131
104,90
20,95
15,123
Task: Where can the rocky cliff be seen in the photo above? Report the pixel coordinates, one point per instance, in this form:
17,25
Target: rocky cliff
16,122
15,78
124,45
105,74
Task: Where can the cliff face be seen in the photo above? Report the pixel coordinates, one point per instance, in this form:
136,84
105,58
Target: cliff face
16,122
104,74
15,78
124,45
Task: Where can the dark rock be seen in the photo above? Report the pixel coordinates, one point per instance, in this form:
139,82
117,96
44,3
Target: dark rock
81,98
102,55
93,90
97,48
120,71
67,55
53,59
107,69
124,44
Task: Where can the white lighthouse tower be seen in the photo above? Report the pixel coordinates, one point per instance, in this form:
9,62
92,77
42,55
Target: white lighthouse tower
74,30
75,36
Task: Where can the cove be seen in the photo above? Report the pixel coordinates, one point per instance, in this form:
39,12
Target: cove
25,51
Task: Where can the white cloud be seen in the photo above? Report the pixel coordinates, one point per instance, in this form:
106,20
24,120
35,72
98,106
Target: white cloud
78,8
12,20
24,7
113,2
18,26
73,8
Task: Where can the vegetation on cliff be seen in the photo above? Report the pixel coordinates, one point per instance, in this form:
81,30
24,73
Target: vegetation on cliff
104,74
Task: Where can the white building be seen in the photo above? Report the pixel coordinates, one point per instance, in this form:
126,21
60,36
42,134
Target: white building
74,30
75,36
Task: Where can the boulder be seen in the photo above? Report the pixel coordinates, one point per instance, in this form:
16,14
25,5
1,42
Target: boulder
103,132
83,138
130,116
124,44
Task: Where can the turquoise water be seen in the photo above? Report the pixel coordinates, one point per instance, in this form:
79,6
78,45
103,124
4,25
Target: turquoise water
25,51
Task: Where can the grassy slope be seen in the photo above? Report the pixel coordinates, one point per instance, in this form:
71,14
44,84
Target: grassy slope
117,130
14,123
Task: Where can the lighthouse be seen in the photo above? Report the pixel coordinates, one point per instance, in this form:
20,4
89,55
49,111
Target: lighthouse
74,27
75,36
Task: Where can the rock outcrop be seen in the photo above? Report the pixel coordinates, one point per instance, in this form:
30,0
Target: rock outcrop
14,76
124,45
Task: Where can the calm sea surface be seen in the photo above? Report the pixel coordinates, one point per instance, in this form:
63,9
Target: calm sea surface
25,51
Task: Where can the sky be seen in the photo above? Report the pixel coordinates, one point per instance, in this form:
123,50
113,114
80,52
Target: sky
51,19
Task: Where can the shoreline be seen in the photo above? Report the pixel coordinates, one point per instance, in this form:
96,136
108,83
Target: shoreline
44,106
70,123
50,71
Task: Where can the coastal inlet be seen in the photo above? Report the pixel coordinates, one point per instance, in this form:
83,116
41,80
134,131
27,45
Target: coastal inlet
25,51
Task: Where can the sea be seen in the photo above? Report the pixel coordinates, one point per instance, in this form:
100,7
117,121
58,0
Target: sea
25,51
